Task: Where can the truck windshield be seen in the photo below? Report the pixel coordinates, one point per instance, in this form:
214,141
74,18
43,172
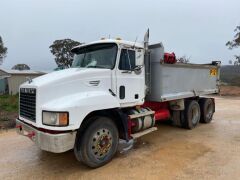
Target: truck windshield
96,56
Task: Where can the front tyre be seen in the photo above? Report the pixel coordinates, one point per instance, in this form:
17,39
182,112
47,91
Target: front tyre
98,143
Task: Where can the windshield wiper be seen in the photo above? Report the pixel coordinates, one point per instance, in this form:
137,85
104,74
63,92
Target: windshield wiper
96,66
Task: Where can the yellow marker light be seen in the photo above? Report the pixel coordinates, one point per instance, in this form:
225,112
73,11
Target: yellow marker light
63,119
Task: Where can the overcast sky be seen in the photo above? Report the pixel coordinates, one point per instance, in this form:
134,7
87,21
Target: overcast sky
198,29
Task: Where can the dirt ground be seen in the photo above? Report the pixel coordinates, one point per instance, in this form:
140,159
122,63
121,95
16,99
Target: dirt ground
211,151
230,90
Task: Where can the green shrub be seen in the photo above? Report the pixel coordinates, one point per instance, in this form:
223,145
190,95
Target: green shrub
9,103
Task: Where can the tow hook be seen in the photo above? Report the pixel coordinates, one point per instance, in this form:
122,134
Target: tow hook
19,127
31,134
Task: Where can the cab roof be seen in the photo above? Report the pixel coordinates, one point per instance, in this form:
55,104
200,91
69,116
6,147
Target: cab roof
117,41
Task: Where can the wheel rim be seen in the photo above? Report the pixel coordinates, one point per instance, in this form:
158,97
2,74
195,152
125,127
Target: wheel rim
195,114
101,143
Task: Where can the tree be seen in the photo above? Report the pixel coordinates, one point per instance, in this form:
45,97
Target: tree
235,43
237,62
61,49
3,51
184,59
21,67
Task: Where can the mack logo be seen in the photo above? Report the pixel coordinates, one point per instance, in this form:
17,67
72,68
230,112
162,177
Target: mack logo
28,90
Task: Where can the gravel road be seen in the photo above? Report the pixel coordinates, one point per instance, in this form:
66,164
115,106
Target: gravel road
211,151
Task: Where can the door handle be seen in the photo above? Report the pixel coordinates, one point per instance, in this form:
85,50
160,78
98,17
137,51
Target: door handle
129,72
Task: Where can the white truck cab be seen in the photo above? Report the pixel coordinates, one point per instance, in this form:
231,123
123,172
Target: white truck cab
99,102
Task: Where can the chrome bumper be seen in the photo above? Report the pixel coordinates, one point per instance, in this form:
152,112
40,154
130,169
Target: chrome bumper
56,143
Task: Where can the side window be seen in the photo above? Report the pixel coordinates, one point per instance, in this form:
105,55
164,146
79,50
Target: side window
127,60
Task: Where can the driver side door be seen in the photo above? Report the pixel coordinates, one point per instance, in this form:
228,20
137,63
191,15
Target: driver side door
130,85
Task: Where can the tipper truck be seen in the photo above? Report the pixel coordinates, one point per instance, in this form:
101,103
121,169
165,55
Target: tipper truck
114,92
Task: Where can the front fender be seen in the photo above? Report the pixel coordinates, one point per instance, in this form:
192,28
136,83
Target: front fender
79,105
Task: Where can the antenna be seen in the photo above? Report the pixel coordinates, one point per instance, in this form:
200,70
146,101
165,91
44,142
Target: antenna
135,42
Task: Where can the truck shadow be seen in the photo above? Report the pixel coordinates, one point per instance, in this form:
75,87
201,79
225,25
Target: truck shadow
67,163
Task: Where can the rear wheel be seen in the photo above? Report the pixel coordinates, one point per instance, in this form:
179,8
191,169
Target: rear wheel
207,110
191,114
98,144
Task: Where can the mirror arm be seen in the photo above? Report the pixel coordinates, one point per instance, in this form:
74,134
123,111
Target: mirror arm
138,68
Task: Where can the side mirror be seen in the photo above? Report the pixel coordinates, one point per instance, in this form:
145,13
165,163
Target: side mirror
139,57
138,69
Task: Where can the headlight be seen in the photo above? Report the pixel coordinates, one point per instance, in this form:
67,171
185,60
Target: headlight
55,118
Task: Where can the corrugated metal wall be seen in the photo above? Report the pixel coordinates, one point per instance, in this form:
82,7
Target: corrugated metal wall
16,80
12,81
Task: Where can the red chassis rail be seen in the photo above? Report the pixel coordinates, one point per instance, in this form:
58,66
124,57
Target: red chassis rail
161,109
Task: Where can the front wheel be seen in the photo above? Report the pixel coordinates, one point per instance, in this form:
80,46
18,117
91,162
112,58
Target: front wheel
98,143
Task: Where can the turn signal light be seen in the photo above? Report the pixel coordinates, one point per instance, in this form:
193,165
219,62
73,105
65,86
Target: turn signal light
63,119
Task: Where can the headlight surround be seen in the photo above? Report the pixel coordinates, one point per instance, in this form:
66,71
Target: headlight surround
50,118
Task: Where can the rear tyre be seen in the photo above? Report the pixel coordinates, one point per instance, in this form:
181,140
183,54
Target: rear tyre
98,144
192,114
207,110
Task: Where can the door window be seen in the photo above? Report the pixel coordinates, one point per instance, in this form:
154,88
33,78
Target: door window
127,60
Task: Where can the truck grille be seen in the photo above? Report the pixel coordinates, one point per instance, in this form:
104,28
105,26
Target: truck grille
28,103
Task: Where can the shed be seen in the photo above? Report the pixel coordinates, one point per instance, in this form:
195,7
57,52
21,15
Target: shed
3,85
10,80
